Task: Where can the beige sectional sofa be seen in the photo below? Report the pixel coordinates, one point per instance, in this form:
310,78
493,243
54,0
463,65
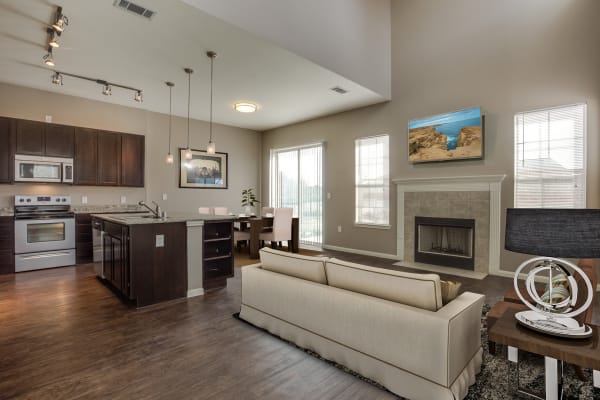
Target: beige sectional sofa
386,325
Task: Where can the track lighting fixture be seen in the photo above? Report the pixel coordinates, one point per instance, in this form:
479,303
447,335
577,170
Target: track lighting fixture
48,59
61,20
138,96
53,41
107,90
188,151
57,78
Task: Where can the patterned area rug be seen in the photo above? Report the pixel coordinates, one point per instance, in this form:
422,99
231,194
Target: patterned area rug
492,382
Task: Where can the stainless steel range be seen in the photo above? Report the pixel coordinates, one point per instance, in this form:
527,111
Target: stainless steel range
44,232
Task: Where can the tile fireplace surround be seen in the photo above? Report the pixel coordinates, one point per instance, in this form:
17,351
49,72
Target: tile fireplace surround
476,197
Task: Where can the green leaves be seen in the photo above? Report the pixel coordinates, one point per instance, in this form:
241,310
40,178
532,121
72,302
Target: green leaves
249,198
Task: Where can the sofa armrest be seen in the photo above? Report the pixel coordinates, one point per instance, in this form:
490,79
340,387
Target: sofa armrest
464,331
257,265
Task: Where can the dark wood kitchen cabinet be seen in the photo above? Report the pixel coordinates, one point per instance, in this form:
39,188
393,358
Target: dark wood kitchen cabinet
116,257
7,245
109,158
7,148
217,262
84,246
132,160
30,137
86,156
59,141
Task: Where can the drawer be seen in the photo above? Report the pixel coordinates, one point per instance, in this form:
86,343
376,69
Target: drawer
221,248
217,230
222,268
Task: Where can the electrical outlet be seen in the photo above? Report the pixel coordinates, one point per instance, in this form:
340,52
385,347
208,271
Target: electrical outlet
339,228
164,196
49,118
83,199
123,199
328,196
160,240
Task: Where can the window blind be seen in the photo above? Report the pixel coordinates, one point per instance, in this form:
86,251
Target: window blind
550,157
372,180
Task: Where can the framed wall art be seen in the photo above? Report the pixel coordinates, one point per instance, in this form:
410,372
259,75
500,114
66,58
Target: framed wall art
456,135
203,171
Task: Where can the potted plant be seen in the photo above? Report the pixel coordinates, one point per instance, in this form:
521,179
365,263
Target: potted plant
249,200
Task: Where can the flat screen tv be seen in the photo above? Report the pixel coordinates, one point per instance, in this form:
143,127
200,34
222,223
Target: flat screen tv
455,135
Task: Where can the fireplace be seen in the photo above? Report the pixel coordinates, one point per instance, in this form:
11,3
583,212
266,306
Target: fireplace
445,241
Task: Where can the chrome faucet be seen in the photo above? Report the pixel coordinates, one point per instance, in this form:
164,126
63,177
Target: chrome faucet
155,212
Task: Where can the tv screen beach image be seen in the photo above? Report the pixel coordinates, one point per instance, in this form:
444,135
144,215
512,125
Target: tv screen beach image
452,136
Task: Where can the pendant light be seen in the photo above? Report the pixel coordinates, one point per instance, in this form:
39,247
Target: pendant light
169,154
188,151
211,148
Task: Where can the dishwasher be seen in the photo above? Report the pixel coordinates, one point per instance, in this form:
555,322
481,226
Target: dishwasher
97,238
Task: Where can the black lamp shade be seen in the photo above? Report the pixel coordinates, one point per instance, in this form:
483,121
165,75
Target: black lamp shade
565,233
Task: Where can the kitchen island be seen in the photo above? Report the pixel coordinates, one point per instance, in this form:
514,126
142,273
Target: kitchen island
149,260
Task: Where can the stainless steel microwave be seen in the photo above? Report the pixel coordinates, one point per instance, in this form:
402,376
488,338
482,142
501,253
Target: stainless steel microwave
43,169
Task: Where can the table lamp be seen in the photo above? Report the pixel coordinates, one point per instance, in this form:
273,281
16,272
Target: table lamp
553,234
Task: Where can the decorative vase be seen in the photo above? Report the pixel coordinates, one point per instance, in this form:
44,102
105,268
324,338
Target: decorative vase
248,210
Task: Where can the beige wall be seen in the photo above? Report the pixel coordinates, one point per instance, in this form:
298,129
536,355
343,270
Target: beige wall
505,56
242,145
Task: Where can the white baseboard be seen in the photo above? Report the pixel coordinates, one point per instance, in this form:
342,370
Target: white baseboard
361,252
195,292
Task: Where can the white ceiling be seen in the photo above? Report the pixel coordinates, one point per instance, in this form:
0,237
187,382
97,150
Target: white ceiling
107,43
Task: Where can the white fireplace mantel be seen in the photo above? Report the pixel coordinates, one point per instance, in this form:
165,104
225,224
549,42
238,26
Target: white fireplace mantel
478,183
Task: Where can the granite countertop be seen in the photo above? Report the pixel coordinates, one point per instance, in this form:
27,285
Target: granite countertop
110,209
144,219
7,212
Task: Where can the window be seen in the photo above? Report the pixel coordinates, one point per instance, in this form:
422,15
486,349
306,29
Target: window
550,158
372,181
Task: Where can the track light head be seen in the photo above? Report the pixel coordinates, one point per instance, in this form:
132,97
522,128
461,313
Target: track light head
48,59
138,96
53,41
107,90
57,78
61,21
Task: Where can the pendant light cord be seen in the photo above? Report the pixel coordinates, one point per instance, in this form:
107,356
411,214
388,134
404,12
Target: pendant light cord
170,115
188,114
212,59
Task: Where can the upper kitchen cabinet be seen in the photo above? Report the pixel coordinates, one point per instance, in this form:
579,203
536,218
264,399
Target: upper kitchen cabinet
30,137
132,160
41,139
109,158
60,141
7,140
86,156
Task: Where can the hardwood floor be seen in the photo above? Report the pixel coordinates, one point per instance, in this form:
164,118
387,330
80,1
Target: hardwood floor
64,335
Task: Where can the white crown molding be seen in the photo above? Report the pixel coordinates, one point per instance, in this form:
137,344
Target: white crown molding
478,183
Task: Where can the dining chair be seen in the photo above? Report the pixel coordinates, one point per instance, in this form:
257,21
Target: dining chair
204,210
266,210
220,211
240,237
282,227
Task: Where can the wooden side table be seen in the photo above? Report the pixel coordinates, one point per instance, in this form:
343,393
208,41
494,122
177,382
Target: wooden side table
582,352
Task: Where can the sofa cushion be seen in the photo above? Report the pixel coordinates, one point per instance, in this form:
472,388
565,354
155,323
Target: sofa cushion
449,290
299,266
417,290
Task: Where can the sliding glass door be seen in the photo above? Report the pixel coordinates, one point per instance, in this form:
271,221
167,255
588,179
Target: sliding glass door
297,182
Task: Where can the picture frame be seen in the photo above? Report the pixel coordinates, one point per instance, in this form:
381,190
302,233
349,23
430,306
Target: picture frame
456,135
203,171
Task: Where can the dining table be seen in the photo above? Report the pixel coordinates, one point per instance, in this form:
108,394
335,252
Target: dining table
255,225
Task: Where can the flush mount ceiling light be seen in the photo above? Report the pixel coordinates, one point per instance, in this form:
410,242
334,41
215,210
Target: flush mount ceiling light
244,107
107,90
61,20
211,148
57,78
48,59
188,151
138,96
169,154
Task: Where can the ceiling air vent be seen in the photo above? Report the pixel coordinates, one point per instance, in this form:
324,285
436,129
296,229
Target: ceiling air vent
134,8
339,90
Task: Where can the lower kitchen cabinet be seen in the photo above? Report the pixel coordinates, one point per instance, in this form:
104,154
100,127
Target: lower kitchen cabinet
84,247
217,263
7,245
116,264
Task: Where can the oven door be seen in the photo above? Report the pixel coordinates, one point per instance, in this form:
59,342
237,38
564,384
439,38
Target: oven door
38,235
38,171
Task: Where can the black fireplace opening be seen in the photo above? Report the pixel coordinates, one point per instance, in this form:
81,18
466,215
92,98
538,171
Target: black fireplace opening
445,241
